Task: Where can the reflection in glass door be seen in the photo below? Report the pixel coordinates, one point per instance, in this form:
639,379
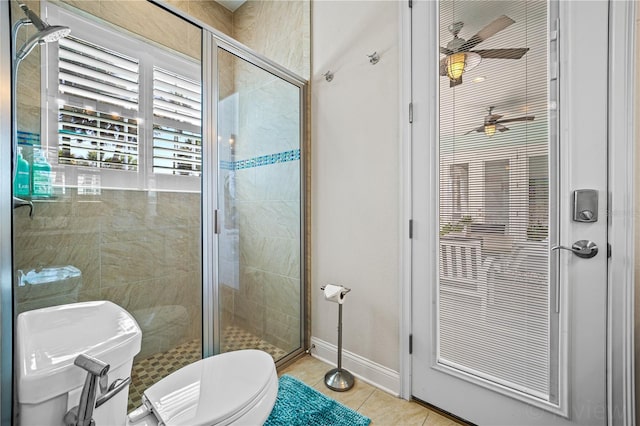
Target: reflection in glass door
259,222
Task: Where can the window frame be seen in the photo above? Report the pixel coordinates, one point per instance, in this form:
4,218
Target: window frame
149,55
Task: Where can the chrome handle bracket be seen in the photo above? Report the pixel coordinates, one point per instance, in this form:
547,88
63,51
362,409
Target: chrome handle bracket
114,389
582,248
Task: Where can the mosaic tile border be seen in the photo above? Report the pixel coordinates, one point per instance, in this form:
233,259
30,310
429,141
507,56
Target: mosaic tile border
30,139
263,160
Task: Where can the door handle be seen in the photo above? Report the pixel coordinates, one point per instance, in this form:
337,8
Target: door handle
582,248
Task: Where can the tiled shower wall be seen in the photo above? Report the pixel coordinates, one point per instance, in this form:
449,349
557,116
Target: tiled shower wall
138,249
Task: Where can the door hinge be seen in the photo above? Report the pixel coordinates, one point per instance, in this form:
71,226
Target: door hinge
410,112
410,228
410,344
410,4
608,250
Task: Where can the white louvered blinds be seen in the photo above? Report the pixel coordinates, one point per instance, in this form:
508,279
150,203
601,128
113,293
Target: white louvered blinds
98,106
106,98
494,297
177,139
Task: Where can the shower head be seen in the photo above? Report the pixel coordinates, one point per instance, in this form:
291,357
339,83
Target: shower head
46,33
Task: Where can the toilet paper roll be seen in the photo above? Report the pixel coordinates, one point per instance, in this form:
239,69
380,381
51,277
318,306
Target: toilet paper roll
333,293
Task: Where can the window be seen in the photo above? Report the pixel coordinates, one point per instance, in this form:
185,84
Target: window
459,190
496,192
177,143
127,112
98,106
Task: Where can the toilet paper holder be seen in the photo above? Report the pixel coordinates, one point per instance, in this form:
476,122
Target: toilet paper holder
339,379
343,292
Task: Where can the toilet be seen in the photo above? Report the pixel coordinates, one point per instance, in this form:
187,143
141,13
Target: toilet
234,388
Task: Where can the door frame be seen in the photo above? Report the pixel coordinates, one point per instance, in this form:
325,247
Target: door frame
620,321
6,188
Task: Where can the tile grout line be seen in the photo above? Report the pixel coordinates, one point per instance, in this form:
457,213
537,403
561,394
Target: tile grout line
365,400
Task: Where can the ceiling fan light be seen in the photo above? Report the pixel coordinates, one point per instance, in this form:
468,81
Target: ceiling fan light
456,63
490,129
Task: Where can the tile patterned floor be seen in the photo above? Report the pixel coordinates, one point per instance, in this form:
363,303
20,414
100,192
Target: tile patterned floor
381,407
148,371
235,338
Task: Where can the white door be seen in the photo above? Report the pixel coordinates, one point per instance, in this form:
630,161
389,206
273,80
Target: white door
505,330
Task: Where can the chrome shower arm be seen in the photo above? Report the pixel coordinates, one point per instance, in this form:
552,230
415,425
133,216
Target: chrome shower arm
35,19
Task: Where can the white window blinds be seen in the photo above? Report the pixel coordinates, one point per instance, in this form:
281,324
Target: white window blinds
101,121
98,106
177,139
494,316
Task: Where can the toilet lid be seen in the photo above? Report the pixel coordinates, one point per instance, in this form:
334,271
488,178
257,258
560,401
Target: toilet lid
212,389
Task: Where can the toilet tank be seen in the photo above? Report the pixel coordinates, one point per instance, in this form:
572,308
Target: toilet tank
47,342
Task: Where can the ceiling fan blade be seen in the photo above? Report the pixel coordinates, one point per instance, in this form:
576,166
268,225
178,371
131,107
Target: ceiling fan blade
501,128
493,117
511,120
445,51
516,53
498,24
477,129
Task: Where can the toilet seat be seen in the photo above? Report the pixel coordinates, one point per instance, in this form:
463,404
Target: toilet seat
215,390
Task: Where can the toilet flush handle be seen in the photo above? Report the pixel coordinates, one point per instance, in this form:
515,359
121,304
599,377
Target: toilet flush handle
115,387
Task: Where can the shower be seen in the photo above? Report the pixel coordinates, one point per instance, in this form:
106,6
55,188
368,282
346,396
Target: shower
46,34
138,146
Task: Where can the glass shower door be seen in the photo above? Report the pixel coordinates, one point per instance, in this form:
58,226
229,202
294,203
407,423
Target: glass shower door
259,216
109,134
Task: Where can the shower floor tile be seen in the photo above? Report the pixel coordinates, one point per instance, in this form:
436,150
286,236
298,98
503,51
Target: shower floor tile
236,338
148,371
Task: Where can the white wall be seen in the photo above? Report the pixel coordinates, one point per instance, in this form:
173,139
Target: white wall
355,175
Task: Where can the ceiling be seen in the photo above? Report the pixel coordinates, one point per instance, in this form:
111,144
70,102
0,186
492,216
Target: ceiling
231,5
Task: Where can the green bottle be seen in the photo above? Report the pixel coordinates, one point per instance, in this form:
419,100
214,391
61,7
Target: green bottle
22,181
41,170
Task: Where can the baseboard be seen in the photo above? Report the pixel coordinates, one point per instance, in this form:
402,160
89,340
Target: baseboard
366,370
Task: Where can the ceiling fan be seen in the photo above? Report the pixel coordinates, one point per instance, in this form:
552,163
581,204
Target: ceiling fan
459,56
492,123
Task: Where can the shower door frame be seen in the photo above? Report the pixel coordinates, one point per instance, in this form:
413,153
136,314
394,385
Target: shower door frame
212,40
6,187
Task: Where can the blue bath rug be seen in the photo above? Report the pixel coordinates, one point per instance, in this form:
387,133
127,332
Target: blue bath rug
299,405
